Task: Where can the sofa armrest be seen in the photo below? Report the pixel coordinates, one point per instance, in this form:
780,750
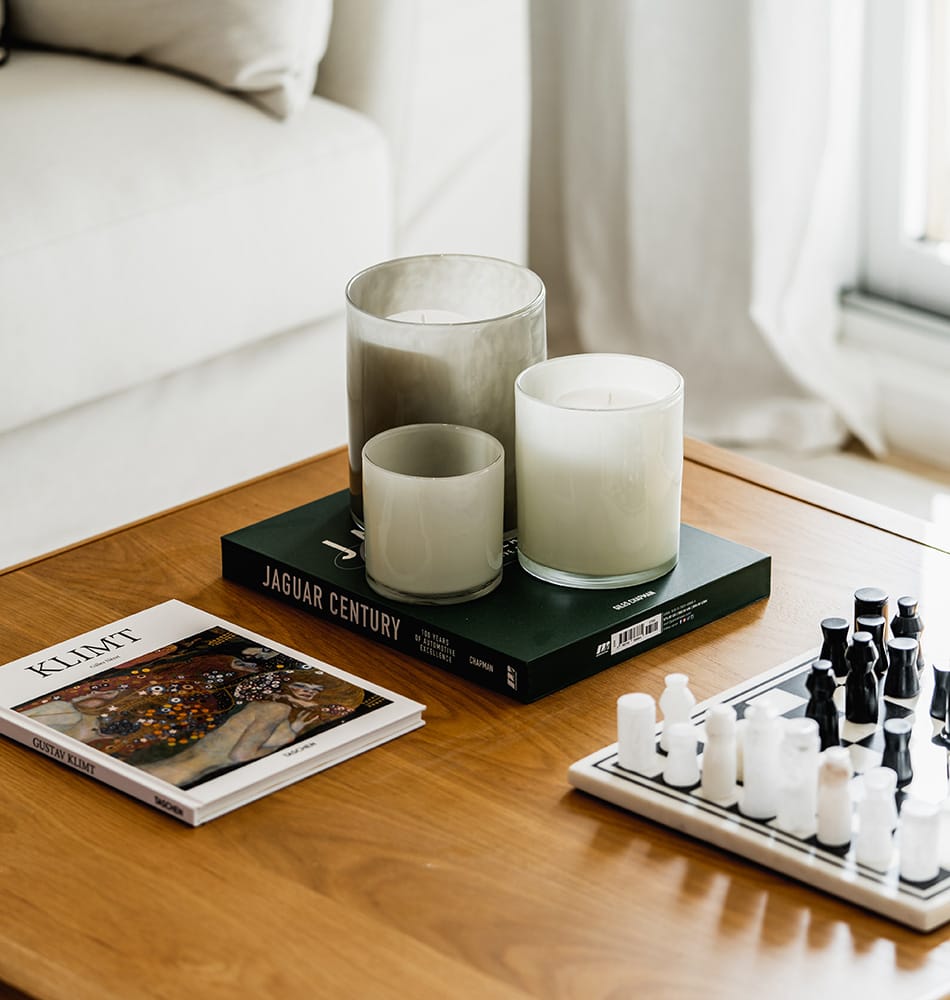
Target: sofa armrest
448,83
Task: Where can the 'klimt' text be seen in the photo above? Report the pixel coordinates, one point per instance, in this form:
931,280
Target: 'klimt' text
83,654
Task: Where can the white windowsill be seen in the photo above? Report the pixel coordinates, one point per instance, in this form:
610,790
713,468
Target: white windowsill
909,351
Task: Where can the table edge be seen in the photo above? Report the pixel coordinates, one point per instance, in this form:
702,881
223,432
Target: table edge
702,453
829,498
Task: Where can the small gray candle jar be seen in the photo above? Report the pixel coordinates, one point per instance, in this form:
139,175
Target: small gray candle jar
440,339
433,497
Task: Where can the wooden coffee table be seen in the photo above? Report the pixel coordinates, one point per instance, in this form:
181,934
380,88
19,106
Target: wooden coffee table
454,861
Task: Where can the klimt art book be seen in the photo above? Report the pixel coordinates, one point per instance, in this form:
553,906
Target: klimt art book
192,714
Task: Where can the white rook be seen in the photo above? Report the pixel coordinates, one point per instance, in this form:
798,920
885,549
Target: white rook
919,842
877,818
835,804
760,762
798,801
719,754
636,733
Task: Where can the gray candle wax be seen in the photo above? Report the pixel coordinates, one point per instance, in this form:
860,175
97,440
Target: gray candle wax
402,371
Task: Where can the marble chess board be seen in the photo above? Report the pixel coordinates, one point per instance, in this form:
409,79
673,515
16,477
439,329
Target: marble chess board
921,905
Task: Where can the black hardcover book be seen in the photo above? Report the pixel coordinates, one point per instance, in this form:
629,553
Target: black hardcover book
527,638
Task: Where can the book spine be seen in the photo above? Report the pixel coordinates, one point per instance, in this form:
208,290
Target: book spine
97,767
382,623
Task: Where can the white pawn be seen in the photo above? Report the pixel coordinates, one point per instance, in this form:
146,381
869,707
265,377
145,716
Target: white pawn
834,797
760,762
676,703
919,840
720,754
881,782
636,733
681,769
798,799
877,817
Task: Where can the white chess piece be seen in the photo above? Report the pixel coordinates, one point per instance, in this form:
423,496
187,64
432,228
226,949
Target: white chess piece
740,744
882,781
636,733
877,818
676,703
835,805
760,762
720,754
798,777
681,769
919,840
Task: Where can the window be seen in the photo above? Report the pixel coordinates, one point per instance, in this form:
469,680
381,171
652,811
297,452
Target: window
907,194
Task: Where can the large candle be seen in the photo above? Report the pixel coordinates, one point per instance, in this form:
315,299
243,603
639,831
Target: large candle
430,316
433,501
440,339
599,442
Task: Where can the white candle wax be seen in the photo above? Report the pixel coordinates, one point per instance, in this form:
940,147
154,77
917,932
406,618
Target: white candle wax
430,316
611,397
433,507
599,442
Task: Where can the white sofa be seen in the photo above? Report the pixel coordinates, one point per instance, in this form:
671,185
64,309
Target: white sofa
173,258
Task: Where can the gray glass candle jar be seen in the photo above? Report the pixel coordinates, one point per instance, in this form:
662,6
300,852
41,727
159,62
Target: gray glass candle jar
440,339
433,513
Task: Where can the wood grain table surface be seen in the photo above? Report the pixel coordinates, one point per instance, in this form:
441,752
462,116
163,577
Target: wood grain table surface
455,861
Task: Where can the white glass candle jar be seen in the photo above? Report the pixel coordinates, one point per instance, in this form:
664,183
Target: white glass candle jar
439,339
599,443
433,509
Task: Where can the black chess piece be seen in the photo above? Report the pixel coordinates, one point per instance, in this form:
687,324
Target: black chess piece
821,685
902,680
876,626
869,601
834,645
860,691
907,622
940,701
897,749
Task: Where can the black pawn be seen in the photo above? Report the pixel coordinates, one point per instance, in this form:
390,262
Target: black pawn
897,750
876,626
860,691
834,645
902,679
907,622
821,685
869,601
940,701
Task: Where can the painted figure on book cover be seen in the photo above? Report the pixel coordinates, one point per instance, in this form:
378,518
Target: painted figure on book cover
205,705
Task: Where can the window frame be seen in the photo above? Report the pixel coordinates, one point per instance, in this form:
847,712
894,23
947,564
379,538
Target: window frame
896,263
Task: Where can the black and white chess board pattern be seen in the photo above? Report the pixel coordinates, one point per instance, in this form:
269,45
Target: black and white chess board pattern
923,906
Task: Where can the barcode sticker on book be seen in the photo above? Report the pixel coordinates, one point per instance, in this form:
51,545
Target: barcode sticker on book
628,637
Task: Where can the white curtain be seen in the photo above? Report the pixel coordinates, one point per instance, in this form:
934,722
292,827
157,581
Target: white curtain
694,197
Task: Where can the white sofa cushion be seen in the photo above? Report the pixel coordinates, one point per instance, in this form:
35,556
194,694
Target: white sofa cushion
269,51
150,222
